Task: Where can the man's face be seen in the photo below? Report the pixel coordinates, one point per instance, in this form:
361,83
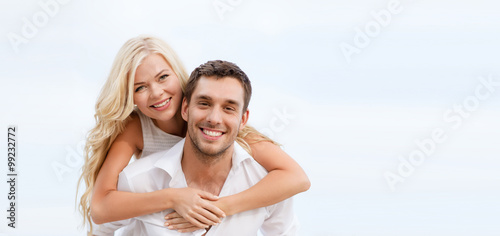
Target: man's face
214,115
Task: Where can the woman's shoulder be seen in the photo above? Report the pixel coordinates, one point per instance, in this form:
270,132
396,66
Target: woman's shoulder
145,123
132,131
133,121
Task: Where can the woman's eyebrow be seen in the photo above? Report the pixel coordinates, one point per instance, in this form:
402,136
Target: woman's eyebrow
161,72
156,76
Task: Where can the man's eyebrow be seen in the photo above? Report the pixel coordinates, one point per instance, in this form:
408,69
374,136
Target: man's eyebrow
203,97
206,97
233,102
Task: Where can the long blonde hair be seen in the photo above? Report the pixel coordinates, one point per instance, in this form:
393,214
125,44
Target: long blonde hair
115,104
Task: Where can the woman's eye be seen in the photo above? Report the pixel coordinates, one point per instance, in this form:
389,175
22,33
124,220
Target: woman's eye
163,77
139,88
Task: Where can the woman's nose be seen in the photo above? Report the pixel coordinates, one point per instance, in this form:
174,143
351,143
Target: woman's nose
157,90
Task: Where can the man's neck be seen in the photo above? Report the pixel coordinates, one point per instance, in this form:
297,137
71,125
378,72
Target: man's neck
207,175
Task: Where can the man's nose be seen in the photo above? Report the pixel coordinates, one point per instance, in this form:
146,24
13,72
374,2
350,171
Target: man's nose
215,116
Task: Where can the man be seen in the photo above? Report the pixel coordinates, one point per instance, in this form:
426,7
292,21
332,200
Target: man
215,108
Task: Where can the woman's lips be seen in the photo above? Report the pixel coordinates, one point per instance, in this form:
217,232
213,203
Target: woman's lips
161,105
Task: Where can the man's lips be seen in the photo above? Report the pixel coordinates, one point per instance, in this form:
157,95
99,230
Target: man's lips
212,133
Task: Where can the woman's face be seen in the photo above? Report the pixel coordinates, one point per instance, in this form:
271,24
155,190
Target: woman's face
157,91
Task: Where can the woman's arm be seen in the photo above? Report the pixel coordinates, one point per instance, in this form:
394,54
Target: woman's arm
285,179
107,203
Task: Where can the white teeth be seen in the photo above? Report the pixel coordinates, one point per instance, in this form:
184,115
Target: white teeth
212,133
162,104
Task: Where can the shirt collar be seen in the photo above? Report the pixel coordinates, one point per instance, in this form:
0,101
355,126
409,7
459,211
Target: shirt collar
170,162
239,155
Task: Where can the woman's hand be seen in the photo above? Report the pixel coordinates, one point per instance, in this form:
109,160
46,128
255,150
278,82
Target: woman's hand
174,221
194,206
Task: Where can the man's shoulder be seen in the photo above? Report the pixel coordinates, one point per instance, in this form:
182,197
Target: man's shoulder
242,153
243,161
152,166
140,175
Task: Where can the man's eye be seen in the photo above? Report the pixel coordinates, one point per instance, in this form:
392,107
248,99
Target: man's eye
230,109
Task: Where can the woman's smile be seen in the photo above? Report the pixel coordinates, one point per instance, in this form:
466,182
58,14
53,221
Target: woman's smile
160,106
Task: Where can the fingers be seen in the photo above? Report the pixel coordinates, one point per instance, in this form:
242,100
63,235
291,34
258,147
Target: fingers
208,217
176,222
193,206
214,210
204,217
196,222
172,215
176,218
210,207
208,196
190,204
181,226
195,219
187,230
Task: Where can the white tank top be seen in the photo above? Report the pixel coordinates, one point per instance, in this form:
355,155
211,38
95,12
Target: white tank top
154,138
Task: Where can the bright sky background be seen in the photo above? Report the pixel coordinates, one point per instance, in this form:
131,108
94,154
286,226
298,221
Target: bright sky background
349,123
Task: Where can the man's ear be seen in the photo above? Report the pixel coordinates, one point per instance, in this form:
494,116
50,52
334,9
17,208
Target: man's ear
244,119
184,109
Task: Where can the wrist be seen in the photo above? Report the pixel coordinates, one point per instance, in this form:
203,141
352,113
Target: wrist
226,204
168,198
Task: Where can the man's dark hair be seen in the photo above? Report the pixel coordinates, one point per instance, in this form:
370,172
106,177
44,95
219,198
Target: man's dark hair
219,69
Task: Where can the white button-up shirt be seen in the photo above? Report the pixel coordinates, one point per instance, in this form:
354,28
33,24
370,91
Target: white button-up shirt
163,170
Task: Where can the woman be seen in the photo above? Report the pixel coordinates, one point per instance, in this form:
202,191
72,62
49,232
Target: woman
138,112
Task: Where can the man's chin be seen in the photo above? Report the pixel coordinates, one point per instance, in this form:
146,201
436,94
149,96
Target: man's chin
212,151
